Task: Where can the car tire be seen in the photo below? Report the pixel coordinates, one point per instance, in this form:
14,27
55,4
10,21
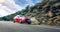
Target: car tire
13,21
28,21
21,22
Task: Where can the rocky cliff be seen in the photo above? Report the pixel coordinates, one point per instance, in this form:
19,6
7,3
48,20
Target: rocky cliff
48,12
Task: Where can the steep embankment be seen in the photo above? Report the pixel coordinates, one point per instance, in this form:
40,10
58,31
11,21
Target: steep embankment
48,12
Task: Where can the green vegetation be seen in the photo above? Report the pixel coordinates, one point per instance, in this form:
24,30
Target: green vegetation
46,12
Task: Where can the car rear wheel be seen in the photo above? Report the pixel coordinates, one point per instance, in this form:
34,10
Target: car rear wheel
28,21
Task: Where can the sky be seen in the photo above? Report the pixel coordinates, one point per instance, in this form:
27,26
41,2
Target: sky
8,7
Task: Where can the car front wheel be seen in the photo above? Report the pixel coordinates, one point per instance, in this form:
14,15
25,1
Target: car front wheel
13,21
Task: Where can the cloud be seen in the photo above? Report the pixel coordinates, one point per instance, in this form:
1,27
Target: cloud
1,1
30,3
4,10
12,6
27,2
8,7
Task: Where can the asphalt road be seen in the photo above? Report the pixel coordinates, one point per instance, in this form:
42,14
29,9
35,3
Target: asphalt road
6,26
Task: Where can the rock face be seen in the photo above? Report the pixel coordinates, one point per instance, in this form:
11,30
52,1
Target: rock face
48,11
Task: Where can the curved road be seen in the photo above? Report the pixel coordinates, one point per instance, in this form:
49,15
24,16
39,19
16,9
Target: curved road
6,26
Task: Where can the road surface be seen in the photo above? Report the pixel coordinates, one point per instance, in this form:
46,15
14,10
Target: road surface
6,26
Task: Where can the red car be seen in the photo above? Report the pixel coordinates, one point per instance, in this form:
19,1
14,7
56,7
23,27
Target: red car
22,19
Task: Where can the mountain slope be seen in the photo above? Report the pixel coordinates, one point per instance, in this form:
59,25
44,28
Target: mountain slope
47,12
